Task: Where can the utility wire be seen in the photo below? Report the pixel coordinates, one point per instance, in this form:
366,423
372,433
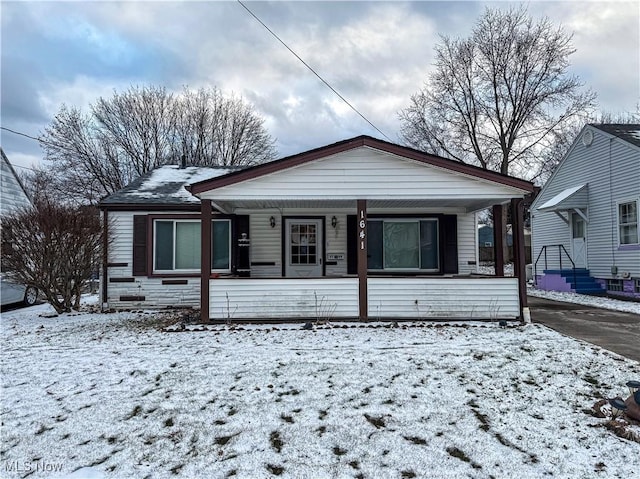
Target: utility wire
19,133
313,71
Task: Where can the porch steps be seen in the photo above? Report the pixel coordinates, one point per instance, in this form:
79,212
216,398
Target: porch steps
583,284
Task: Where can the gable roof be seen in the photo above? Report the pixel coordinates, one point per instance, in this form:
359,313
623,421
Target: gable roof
164,186
627,132
350,144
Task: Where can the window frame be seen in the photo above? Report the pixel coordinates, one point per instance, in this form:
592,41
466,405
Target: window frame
409,219
619,204
614,283
190,271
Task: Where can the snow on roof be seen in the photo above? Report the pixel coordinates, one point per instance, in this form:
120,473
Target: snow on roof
627,132
166,185
563,195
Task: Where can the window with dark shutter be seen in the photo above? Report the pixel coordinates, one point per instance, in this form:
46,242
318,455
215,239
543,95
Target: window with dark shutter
139,245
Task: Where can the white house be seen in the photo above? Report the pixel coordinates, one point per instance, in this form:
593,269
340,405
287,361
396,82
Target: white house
357,229
585,235
13,195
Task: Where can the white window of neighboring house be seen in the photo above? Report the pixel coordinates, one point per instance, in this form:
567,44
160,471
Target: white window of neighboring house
615,285
177,245
628,222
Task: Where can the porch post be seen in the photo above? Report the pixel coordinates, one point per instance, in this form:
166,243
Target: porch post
105,259
363,308
205,258
498,252
517,229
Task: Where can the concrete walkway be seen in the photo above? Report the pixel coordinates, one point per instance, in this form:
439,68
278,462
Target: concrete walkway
613,330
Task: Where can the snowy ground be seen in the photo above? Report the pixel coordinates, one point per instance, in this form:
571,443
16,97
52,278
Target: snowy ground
597,301
109,395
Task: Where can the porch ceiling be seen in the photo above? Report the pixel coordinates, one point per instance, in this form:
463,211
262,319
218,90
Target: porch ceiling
466,204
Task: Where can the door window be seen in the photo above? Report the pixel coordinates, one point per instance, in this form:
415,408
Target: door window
303,244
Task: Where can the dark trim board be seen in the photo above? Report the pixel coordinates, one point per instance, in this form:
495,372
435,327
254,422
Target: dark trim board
117,265
122,280
132,298
175,281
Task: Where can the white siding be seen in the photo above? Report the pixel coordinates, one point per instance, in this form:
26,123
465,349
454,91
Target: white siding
320,298
12,196
467,244
156,294
363,173
611,168
460,298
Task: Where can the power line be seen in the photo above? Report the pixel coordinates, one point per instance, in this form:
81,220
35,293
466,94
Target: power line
313,71
19,133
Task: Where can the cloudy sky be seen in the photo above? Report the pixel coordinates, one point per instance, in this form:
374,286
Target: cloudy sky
376,54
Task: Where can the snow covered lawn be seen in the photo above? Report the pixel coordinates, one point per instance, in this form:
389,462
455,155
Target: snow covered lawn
115,396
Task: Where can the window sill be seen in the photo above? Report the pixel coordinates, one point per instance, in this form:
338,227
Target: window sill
629,247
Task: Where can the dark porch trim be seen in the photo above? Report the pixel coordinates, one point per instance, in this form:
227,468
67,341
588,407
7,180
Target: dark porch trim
363,306
105,257
205,259
519,268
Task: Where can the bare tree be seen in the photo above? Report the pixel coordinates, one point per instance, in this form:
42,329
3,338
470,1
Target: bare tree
496,99
125,136
139,123
215,130
55,248
83,165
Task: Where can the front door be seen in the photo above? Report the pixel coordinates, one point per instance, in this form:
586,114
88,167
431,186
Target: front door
303,248
579,240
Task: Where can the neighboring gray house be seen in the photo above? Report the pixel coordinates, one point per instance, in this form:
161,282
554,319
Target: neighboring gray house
13,195
585,220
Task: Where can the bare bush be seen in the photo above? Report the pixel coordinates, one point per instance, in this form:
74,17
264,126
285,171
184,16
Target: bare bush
55,248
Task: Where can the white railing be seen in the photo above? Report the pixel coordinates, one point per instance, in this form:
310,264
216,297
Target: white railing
458,298
388,298
283,298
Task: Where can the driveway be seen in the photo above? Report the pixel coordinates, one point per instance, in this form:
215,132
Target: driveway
613,330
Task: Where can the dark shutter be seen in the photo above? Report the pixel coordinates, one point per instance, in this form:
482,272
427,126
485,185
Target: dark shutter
241,259
139,245
449,241
352,244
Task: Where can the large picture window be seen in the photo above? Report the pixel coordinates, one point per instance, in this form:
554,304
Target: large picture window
403,245
628,222
177,245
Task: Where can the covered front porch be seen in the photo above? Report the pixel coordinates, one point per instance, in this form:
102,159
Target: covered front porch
361,230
